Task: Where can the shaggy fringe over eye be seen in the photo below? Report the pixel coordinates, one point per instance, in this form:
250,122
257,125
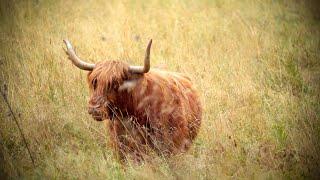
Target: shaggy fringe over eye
107,74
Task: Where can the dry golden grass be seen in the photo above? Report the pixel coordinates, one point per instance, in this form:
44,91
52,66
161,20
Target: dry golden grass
255,63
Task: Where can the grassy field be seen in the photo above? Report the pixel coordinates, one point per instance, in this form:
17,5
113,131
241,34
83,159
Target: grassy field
256,65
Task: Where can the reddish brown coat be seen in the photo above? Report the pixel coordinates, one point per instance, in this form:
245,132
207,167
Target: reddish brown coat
159,111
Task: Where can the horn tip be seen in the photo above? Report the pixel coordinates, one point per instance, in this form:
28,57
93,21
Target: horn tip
150,42
68,44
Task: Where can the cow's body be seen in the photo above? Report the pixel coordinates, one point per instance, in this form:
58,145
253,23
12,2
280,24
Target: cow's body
162,111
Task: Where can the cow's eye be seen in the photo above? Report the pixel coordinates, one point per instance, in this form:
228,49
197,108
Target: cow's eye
94,84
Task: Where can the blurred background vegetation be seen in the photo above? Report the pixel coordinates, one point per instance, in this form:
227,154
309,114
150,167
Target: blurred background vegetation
256,65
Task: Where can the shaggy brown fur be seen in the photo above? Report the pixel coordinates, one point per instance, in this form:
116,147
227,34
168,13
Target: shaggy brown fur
158,110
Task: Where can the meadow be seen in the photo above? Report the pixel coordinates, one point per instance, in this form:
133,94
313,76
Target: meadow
256,65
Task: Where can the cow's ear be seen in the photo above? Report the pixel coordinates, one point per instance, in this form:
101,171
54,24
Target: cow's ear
128,85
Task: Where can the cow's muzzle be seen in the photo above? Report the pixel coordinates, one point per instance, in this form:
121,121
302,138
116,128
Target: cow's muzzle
95,113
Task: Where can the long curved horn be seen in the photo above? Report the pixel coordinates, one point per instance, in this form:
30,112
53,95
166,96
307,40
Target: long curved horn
146,67
75,59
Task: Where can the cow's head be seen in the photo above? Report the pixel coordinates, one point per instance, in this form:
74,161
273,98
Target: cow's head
107,80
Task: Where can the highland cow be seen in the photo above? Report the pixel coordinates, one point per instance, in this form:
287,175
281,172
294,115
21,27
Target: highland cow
145,109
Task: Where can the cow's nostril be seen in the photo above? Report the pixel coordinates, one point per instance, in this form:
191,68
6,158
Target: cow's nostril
90,110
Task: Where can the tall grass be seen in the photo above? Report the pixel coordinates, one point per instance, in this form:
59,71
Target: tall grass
255,63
